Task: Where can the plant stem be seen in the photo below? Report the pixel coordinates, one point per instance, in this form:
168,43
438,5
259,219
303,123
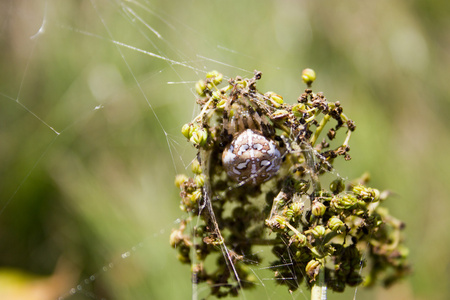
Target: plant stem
194,288
319,129
347,138
319,289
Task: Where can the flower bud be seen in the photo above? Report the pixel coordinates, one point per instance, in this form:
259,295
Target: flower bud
196,195
308,76
216,95
199,137
288,213
200,180
277,222
300,240
221,104
180,179
299,109
215,77
186,130
274,99
195,167
318,231
200,88
337,186
376,195
313,268
344,202
301,186
176,238
366,193
318,208
336,224
279,114
281,221
297,208
241,84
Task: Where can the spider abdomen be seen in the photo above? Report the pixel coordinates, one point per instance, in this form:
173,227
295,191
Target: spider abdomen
251,157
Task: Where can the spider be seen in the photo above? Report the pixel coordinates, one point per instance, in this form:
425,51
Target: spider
251,155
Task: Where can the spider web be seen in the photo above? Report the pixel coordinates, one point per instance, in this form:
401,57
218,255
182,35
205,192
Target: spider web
97,93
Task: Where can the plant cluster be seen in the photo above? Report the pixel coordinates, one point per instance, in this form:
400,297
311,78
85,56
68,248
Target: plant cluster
322,231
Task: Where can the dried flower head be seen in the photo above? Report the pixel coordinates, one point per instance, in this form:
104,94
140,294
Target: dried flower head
256,148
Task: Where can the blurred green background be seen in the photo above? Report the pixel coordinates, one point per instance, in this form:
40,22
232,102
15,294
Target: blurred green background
90,124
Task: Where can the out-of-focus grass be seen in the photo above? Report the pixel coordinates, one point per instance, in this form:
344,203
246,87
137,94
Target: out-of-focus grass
103,187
